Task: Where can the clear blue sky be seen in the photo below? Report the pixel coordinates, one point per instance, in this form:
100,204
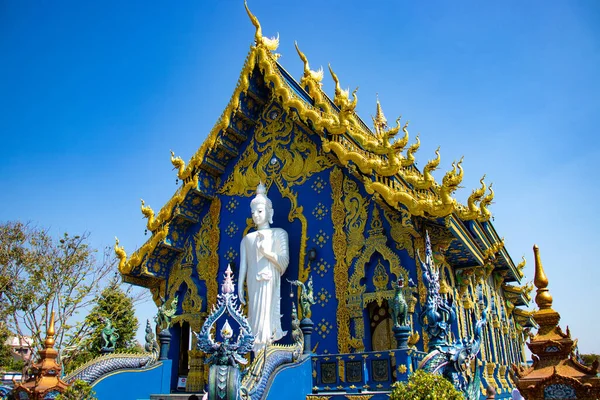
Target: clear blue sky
93,95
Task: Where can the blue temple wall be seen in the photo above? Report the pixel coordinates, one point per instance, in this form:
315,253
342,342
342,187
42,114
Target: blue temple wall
303,206
135,384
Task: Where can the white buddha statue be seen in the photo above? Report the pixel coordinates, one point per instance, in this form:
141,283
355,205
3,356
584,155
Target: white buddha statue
264,257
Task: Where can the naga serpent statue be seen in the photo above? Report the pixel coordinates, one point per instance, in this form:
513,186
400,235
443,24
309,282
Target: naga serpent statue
453,361
306,296
439,313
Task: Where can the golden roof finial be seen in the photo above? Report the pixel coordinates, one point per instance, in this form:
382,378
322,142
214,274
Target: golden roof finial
270,44
314,75
379,121
49,343
543,298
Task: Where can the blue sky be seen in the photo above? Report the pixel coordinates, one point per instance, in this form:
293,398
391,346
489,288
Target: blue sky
94,95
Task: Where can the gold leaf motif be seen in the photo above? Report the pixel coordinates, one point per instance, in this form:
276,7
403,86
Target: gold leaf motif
340,271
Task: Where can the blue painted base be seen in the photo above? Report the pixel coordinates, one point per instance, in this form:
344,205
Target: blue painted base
291,382
135,384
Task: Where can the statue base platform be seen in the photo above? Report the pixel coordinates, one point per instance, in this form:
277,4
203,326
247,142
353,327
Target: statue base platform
401,333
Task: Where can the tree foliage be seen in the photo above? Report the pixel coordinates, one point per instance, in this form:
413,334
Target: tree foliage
589,359
424,386
79,390
41,274
116,305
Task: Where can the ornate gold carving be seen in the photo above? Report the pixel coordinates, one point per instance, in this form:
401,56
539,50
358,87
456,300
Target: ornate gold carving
402,230
207,246
340,271
195,379
356,219
276,140
380,278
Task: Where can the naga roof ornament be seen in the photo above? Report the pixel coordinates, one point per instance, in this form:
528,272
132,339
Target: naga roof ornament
269,43
315,76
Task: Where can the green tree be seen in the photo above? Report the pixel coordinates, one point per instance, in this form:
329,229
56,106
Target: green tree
424,386
589,359
79,390
41,274
116,305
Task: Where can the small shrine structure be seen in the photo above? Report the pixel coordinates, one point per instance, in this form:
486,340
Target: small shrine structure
556,372
44,380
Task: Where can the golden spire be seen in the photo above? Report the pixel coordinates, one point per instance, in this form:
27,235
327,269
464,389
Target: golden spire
49,343
379,120
543,298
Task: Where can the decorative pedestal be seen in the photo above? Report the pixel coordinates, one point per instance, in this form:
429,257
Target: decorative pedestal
306,325
401,333
164,338
106,350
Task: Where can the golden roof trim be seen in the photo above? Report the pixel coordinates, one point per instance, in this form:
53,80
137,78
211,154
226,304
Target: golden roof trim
370,153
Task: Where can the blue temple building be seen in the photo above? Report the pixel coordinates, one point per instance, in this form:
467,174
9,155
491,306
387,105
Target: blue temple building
356,209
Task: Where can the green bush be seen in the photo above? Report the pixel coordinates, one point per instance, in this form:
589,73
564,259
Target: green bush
424,386
79,390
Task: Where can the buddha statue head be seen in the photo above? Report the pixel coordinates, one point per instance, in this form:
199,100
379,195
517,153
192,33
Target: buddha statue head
261,206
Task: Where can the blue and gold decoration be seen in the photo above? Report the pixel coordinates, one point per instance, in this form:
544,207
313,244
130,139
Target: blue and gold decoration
353,197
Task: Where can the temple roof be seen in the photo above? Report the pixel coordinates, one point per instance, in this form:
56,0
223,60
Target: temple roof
384,165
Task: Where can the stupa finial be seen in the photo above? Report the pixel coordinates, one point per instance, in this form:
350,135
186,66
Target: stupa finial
49,343
543,299
379,121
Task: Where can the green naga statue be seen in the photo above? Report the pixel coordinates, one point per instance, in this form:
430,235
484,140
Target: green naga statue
165,314
109,335
306,296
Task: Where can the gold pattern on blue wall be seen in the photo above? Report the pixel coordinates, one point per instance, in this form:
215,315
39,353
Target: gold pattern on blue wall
324,327
322,268
232,205
320,211
321,238
323,297
231,255
231,229
319,185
